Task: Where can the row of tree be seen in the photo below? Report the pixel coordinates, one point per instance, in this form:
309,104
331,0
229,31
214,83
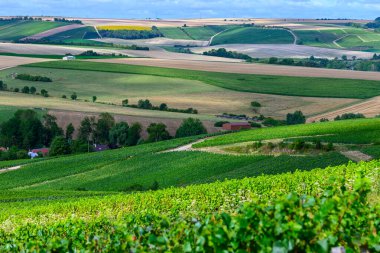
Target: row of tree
147,105
27,130
26,90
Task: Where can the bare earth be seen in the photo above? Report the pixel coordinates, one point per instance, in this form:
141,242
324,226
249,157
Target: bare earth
10,62
53,31
286,51
356,156
370,108
244,68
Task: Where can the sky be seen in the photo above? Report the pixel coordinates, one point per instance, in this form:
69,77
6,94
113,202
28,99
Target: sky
171,9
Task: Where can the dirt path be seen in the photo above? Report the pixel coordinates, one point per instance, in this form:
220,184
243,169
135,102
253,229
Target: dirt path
294,35
10,169
369,108
356,156
97,31
336,41
187,147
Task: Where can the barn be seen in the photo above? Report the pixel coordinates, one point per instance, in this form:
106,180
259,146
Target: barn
236,126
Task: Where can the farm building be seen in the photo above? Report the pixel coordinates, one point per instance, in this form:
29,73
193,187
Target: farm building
2,149
236,126
68,58
43,151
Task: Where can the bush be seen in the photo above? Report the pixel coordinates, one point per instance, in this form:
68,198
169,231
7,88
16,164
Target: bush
220,123
295,118
347,116
59,146
222,52
190,127
255,125
27,77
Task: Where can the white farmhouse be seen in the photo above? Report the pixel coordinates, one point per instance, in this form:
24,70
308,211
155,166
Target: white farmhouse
68,58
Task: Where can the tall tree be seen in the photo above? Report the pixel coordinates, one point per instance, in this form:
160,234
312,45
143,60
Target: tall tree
52,129
105,122
119,134
134,134
59,146
295,118
190,127
69,132
157,132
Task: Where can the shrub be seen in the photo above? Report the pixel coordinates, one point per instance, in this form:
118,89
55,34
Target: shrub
27,77
220,123
190,127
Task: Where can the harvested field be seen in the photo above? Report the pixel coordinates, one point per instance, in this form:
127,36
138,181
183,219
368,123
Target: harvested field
10,62
244,68
66,117
49,49
285,51
53,31
370,108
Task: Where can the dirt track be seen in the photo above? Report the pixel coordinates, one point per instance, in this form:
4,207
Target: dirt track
245,68
9,61
370,108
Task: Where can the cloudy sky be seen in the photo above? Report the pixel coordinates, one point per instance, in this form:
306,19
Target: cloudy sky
360,9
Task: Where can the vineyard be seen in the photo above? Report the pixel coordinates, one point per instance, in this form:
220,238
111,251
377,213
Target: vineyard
300,211
119,27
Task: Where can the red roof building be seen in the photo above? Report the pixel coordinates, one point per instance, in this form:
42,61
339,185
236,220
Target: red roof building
236,126
43,151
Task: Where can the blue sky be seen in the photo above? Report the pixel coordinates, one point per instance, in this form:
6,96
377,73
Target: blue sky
361,9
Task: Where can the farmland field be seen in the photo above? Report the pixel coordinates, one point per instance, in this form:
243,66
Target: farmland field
192,33
176,92
252,35
83,33
21,29
280,85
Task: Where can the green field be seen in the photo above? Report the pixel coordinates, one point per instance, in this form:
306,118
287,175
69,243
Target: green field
7,112
192,33
280,85
253,35
20,29
361,131
75,34
348,38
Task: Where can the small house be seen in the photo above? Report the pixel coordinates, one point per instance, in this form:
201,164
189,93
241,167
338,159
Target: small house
69,58
43,151
236,126
2,149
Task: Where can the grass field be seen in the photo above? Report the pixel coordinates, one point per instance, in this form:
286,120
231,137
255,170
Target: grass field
348,38
361,131
253,35
280,85
193,33
7,112
20,29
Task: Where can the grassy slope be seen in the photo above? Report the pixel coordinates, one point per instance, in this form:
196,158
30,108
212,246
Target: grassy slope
280,85
193,33
174,33
252,35
21,29
348,131
7,112
120,169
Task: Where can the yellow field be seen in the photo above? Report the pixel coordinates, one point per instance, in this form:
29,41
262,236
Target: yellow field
124,27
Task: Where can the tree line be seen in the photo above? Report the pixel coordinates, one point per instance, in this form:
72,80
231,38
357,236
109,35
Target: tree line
27,130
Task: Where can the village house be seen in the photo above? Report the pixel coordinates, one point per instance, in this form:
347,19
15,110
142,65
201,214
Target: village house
68,58
43,151
236,126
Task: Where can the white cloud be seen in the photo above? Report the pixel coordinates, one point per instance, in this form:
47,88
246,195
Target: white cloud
194,8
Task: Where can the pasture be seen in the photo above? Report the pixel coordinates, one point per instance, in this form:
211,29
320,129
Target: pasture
21,29
78,34
253,35
279,85
176,92
193,33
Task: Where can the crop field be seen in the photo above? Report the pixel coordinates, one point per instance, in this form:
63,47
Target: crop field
253,35
279,85
176,92
22,29
83,33
361,131
192,33
153,220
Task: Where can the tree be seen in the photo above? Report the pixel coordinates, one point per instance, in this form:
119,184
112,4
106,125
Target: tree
163,107
33,90
190,127
295,118
102,132
86,129
44,93
52,129
157,132
256,106
3,86
25,90
74,96
124,102
59,146
94,99
144,104
119,134
69,132
134,134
